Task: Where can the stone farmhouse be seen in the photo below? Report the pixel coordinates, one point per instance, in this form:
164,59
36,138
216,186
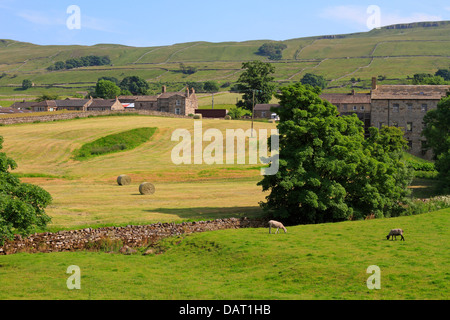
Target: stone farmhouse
173,102
70,105
402,106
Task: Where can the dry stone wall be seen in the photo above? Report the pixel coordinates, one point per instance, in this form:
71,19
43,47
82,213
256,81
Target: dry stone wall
86,114
131,236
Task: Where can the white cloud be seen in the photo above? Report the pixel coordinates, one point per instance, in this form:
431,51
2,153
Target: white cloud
358,16
41,18
60,19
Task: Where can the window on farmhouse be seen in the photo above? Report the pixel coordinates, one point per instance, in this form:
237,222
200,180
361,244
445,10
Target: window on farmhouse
424,108
396,107
409,126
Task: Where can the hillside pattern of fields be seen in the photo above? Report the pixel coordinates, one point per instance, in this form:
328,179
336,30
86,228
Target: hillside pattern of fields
393,53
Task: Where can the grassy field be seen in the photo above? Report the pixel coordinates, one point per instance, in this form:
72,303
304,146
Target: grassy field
327,262
86,193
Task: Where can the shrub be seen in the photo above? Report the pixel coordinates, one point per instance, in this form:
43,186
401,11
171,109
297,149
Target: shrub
22,205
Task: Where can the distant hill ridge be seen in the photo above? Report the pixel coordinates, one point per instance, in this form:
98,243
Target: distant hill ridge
347,61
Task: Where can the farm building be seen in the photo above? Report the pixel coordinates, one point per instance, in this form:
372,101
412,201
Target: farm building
402,106
173,102
105,105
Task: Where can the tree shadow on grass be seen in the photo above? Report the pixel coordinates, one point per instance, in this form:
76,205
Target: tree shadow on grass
211,213
425,188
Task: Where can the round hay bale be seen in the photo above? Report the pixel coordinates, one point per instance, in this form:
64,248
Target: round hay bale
146,188
123,180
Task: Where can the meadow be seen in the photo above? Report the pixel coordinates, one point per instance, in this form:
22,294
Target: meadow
326,261
311,262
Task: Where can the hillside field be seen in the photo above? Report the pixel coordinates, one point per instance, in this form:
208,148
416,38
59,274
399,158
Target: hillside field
394,53
327,261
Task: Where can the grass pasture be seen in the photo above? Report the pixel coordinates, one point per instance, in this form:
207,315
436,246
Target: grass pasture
326,261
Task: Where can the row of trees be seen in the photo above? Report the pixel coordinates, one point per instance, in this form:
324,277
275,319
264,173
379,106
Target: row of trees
87,61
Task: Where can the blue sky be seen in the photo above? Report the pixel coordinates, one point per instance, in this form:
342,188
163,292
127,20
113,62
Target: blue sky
154,23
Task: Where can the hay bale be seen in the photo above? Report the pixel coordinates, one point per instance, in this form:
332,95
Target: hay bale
146,188
123,180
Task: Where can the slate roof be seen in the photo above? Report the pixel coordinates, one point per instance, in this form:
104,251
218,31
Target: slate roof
343,98
410,92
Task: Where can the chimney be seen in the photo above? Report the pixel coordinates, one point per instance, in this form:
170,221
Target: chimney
353,92
164,89
187,92
374,83
193,91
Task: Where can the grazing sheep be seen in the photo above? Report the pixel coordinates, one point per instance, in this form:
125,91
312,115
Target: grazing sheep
394,233
276,224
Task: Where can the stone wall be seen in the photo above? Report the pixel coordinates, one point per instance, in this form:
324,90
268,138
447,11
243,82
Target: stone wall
85,114
131,236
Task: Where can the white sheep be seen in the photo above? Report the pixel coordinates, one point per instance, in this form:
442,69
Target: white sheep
276,224
394,233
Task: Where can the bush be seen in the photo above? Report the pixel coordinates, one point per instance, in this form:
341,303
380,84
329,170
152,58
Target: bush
22,205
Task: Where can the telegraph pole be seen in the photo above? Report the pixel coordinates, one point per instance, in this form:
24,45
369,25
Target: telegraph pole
253,110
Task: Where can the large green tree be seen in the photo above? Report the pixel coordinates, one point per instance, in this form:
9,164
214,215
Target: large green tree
107,89
256,84
22,205
437,133
327,170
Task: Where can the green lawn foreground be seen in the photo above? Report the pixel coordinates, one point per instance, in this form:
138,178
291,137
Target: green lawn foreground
326,262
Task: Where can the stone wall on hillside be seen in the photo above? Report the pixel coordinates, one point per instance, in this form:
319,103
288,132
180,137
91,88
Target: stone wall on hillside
86,114
131,236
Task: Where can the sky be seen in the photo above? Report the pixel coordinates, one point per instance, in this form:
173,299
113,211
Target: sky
155,23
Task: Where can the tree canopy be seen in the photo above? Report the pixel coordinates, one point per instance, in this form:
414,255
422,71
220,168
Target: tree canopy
87,61
135,84
26,84
437,133
106,89
255,81
21,205
314,80
327,170
273,50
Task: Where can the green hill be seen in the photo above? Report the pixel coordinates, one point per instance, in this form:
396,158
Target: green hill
395,52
